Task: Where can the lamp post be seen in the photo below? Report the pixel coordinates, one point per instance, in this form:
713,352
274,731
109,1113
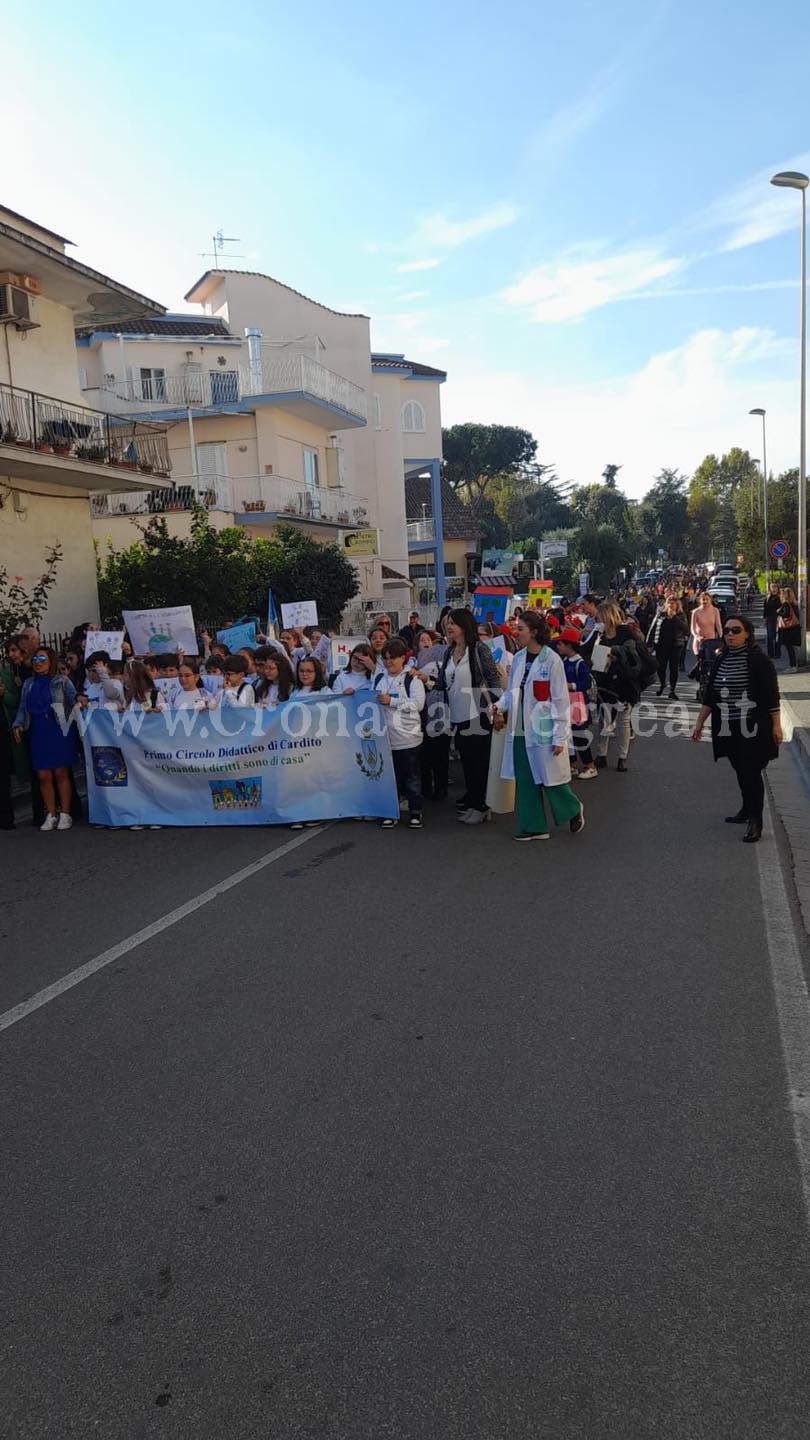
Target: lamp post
795,180
759,411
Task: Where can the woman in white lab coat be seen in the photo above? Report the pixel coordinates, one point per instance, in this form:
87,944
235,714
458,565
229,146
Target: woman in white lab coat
535,708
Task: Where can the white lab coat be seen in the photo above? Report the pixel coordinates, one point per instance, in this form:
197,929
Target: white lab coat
538,715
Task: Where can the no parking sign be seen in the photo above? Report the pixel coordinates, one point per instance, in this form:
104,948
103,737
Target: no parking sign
779,549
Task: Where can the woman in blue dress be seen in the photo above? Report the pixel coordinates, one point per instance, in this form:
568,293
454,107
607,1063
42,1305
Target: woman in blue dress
46,702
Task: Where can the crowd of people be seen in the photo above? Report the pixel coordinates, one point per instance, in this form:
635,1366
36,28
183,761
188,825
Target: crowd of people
527,708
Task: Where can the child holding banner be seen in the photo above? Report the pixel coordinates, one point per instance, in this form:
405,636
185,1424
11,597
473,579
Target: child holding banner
188,695
359,673
309,679
276,679
236,689
402,697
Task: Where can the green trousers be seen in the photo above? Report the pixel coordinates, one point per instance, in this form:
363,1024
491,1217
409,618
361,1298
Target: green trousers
530,811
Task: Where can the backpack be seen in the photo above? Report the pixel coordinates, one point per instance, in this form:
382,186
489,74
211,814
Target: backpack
408,678
649,664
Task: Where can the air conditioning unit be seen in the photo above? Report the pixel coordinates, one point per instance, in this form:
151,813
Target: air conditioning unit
15,308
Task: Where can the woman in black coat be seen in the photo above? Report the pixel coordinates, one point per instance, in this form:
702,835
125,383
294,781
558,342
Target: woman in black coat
742,698
668,635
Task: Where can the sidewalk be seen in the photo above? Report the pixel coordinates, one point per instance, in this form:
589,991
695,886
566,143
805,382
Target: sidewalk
794,687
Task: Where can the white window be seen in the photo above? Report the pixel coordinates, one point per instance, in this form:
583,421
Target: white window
377,411
153,384
212,460
413,417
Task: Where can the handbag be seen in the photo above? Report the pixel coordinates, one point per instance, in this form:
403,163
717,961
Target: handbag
578,702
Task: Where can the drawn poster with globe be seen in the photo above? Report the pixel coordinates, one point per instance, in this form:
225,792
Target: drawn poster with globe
161,631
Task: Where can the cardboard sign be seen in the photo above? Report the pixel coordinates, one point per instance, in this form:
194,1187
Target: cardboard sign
299,613
238,637
110,640
342,646
161,631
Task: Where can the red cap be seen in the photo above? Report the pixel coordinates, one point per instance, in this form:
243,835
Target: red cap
569,635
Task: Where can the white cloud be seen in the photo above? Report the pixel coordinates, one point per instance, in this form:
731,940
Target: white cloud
417,265
568,288
412,328
755,210
414,295
437,232
681,405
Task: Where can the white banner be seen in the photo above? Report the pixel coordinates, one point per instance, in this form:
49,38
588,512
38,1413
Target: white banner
162,631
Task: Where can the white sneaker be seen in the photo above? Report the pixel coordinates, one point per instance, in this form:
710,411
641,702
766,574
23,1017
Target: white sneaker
65,822
475,817
589,773
49,823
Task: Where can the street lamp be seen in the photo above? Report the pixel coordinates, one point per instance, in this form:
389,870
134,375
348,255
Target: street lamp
759,411
795,180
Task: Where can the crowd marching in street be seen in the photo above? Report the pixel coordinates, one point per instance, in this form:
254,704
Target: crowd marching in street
528,708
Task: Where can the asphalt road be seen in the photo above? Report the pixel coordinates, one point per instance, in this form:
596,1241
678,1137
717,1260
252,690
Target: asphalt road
408,1135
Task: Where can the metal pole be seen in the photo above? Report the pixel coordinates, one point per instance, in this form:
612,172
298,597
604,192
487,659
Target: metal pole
765,506
438,530
801,565
191,441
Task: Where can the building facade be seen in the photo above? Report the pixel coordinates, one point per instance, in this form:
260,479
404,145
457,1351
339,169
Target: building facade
55,450
278,412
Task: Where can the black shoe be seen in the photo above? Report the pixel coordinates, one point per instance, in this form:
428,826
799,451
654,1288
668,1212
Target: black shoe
660,690
739,819
673,695
621,766
577,825
601,762
753,833
415,822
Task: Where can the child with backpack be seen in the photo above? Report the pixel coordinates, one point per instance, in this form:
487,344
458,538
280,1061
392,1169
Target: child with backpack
579,681
236,688
402,697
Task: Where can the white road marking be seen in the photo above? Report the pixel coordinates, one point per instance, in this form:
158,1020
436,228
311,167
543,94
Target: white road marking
790,990
140,937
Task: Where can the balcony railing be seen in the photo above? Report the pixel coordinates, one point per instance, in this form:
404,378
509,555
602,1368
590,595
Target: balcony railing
421,529
216,389
271,494
39,422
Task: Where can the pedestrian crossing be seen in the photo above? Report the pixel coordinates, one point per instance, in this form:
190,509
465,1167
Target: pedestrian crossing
659,715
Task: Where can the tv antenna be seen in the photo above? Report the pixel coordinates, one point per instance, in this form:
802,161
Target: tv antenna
219,241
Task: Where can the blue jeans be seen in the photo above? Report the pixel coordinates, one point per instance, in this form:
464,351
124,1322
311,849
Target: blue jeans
774,642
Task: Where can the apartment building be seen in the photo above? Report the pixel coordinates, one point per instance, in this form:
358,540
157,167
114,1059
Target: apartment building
56,451
277,412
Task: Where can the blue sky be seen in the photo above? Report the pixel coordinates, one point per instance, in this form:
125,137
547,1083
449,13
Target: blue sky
567,207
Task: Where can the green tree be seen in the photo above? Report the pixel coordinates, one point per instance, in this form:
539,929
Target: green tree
474,455
19,606
222,574
609,475
662,516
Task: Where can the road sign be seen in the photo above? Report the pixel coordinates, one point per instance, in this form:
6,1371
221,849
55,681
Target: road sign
779,549
554,549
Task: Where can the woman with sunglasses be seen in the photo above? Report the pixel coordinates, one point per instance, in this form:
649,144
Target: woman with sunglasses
742,698
46,702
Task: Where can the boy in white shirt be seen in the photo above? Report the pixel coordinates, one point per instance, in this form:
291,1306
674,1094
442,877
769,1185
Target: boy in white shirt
402,697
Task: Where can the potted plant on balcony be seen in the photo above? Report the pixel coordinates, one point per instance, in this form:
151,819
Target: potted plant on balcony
61,447
209,499
360,515
343,517
45,447
145,467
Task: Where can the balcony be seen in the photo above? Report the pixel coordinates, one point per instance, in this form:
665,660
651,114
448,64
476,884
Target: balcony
253,500
70,446
293,382
421,530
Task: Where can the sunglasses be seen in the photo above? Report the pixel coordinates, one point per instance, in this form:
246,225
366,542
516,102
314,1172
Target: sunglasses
39,659
733,630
